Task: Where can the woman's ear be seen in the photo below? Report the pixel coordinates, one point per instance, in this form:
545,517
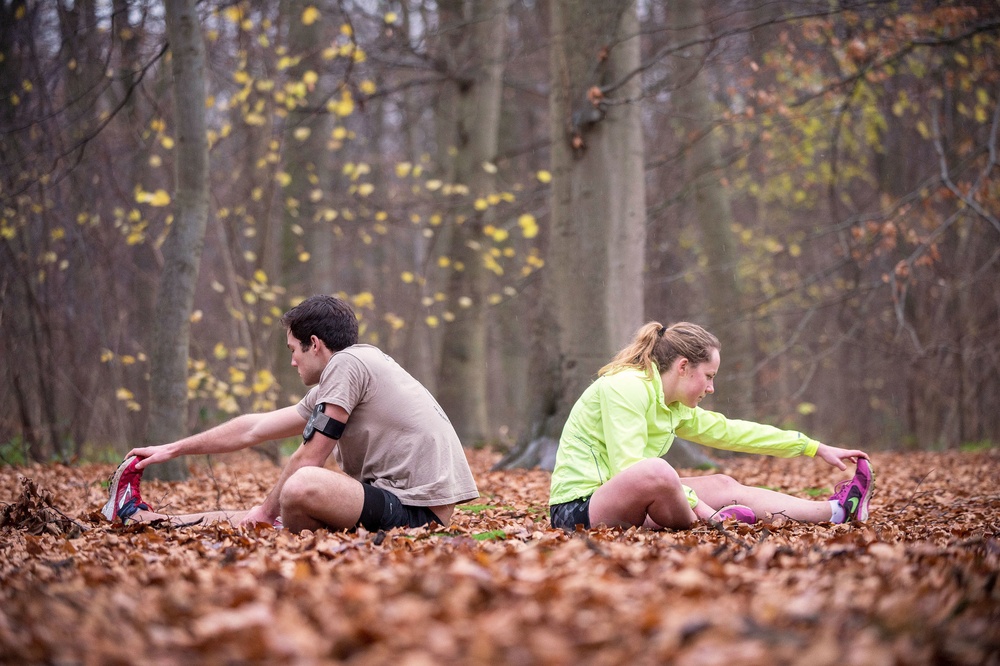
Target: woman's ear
682,366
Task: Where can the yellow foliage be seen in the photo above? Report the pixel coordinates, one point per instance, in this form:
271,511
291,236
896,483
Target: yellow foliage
310,15
219,351
263,381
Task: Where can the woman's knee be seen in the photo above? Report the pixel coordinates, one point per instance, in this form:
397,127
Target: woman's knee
656,475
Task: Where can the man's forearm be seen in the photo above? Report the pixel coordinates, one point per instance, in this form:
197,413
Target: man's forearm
230,436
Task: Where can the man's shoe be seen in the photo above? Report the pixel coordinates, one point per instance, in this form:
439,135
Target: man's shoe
124,490
738,512
855,494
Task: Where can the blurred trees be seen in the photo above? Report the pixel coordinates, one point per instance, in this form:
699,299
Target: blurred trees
854,146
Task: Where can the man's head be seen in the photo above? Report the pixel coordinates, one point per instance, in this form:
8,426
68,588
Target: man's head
327,317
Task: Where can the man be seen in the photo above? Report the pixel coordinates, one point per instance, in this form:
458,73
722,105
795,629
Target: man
403,463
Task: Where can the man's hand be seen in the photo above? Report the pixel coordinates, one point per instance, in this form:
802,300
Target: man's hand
257,515
836,456
150,455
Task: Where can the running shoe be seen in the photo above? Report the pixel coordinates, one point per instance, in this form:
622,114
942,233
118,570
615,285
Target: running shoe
855,494
737,512
124,490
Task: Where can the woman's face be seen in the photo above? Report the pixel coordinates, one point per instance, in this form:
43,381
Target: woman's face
694,382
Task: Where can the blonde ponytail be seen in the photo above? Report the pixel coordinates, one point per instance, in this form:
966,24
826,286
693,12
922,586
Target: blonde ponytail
657,346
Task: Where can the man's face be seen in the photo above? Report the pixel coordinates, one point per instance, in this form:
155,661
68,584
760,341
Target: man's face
309,362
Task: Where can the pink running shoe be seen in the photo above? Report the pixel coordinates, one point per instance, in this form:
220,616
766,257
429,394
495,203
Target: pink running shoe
738,512
124,489
854,494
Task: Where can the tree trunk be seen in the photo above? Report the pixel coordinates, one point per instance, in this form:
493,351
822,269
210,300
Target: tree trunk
183,245
598,203
462,375
725,316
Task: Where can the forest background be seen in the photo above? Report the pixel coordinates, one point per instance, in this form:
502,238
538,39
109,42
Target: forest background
505,190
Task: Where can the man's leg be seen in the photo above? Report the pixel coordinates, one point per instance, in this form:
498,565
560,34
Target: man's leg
719,490
203,518
314,497
650,488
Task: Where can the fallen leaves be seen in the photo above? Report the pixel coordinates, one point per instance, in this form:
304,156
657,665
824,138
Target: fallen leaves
915,584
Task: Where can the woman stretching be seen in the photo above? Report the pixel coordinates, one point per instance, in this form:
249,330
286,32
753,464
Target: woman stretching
609,469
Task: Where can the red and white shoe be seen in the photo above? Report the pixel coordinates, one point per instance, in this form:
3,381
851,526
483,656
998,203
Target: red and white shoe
124,490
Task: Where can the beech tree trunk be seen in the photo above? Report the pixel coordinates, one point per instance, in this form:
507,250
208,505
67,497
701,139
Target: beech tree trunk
478,63
183,245
594,267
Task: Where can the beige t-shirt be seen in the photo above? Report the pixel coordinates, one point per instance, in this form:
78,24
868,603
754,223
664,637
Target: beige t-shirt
397,437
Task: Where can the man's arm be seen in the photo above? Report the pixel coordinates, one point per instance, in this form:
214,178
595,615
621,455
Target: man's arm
239,433
310,454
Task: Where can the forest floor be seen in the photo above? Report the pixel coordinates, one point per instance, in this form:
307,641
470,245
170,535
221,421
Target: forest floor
916,584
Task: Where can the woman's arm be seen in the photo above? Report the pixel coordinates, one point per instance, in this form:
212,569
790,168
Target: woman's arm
836,456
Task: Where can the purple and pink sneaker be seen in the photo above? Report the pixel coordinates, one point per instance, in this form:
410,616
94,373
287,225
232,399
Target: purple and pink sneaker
737,512
855,494
124,490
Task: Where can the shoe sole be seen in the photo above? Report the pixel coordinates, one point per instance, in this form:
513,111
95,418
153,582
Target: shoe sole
109,508
869,491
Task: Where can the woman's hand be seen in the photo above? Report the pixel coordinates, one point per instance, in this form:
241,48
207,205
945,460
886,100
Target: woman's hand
836,456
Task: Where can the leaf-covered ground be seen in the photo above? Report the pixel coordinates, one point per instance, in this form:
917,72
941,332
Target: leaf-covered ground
916,584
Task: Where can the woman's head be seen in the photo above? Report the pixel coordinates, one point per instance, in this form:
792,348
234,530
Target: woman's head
327,317
654,344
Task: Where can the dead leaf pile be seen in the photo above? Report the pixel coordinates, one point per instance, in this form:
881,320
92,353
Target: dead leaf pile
916,584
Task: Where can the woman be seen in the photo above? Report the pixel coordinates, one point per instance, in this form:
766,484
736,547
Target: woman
609,468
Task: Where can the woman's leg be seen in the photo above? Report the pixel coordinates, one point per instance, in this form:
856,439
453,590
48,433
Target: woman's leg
647,493
719,490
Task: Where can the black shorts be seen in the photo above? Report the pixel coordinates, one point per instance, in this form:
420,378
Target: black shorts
570,514
383,510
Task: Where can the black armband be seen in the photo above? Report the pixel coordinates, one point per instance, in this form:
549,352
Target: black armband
320,422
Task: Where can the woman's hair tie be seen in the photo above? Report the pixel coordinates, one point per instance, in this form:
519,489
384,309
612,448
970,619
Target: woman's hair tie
660,332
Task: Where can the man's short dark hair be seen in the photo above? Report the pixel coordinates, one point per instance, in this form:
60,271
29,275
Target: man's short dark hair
329,318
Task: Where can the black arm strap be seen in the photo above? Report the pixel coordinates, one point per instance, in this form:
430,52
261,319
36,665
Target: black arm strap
320,422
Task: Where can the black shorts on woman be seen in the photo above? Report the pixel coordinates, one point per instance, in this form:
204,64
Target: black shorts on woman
568,515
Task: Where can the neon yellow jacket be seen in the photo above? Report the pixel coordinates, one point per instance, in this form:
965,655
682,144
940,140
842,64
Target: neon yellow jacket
622,418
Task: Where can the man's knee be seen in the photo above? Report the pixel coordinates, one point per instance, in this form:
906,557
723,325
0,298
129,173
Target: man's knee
303,485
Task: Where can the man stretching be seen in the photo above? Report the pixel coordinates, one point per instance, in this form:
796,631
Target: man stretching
402,462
